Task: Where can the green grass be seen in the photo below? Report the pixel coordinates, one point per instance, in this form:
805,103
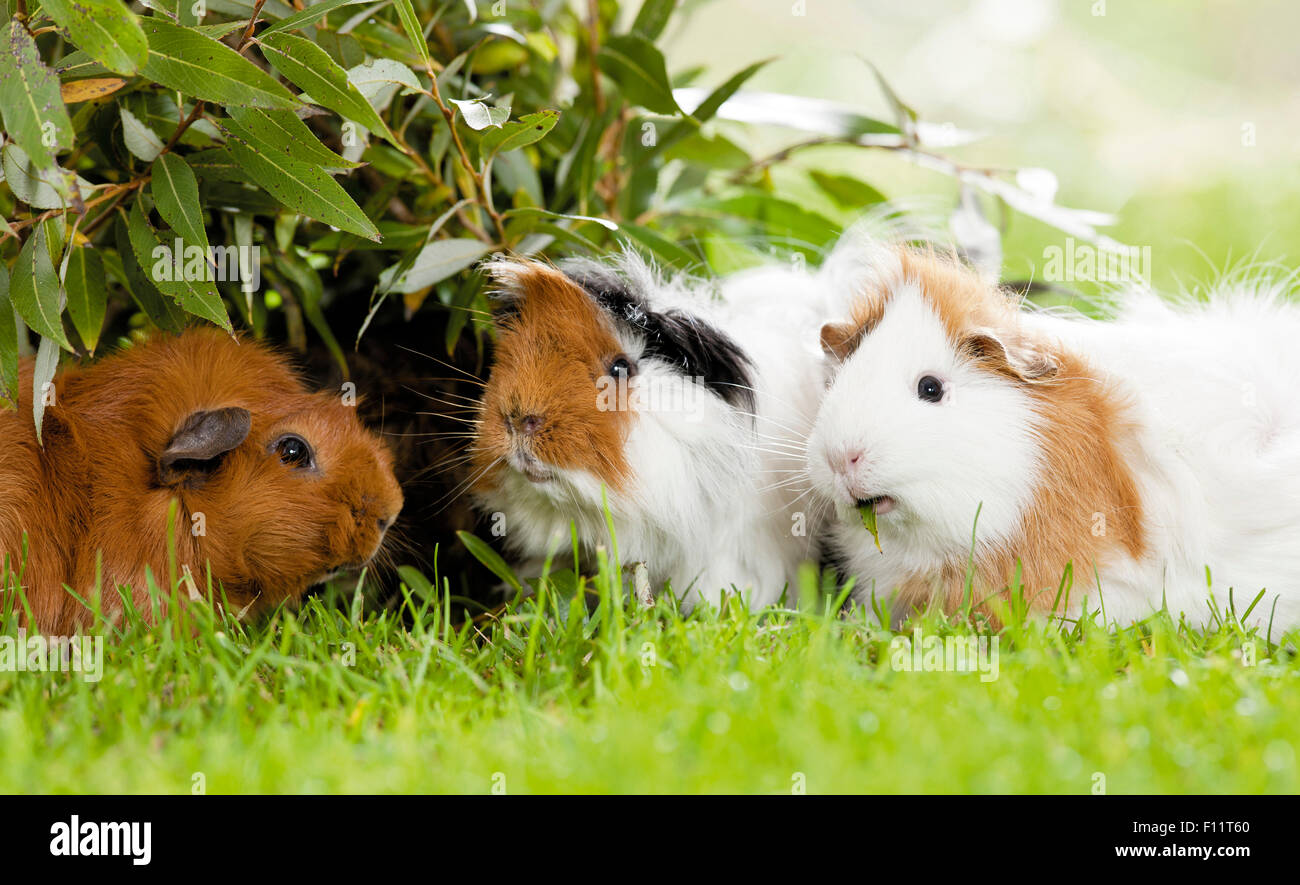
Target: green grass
551,696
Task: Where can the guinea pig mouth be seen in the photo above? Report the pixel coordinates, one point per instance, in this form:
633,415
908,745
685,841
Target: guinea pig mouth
881,504
533,469
340,570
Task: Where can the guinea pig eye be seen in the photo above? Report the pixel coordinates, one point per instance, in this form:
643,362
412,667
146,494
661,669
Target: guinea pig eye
294,451
622,367
929,389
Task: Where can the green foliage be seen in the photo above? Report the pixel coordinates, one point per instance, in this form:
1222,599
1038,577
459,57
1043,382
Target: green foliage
426,134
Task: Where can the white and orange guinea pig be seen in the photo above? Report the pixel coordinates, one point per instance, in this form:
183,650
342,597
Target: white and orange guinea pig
684,414
1152,451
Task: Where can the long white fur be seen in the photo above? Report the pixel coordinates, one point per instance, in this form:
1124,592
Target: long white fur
716,499
1211,388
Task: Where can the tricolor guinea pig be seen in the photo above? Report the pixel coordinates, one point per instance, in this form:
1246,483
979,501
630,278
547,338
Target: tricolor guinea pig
277,487
685,414
1150,451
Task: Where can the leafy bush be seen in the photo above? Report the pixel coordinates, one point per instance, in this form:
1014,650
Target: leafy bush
377,150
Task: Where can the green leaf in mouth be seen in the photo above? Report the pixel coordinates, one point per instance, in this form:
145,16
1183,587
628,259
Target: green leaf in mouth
868,513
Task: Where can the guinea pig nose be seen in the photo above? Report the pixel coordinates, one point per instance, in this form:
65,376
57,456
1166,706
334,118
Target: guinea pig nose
384,524
848,460
528,424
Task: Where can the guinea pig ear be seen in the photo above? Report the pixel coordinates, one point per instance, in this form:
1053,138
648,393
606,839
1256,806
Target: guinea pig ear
1010,356
204,437
841,339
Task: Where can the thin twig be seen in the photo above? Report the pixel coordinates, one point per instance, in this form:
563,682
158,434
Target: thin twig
593,32
865,141
117,191
185,124
108,210
198,105
252,23
450,116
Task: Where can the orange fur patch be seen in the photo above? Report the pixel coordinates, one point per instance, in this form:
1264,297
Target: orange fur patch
843,338
552,350
1086,509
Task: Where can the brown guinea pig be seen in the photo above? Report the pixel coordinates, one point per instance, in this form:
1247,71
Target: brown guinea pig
277,487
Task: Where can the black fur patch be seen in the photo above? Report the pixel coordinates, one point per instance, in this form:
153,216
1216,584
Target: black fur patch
697,348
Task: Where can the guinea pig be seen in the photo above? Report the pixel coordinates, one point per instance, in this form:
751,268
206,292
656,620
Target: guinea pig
278,487
1156,452
682,413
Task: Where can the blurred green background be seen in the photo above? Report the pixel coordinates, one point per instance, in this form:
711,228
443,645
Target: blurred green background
1181,118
